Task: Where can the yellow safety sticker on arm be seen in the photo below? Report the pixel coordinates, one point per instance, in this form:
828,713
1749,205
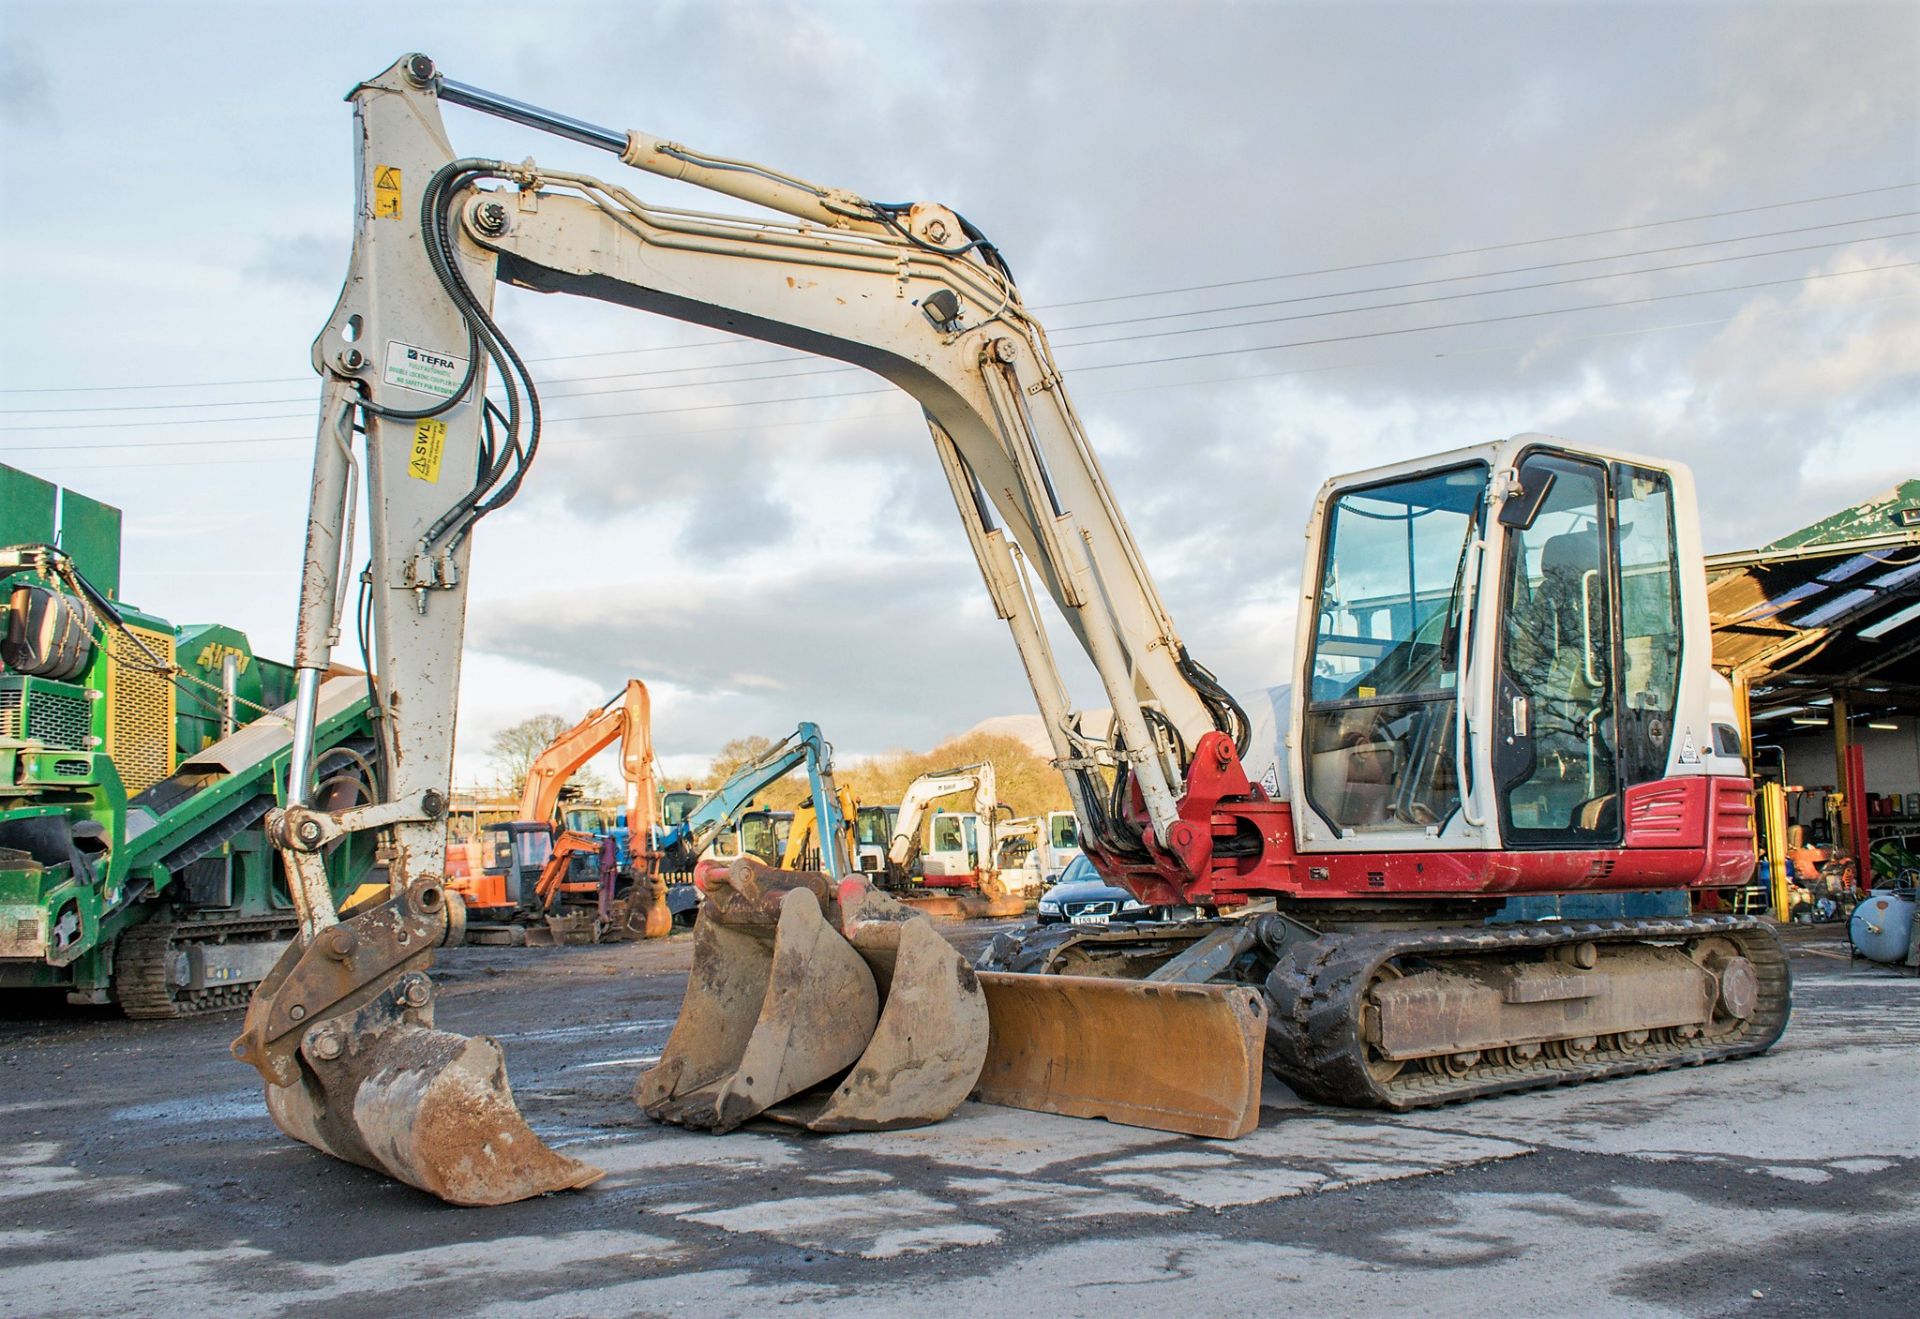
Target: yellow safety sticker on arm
429,442
386,192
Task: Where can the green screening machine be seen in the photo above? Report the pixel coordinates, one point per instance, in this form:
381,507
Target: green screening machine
137,760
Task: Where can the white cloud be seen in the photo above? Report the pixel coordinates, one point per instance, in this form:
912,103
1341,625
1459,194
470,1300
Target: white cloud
760,564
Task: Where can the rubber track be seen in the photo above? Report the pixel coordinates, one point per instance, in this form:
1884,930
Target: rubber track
1316,995
140,968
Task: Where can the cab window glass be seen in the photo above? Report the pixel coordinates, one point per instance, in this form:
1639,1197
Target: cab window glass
873,826
1386,650
1065,830
946,834
1649,620
1554,707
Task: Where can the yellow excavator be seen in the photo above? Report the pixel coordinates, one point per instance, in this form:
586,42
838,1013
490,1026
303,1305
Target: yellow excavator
803,850
1501,688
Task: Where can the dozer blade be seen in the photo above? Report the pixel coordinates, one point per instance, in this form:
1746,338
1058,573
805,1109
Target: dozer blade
926,1051
1174,1057
342,1030
768,1013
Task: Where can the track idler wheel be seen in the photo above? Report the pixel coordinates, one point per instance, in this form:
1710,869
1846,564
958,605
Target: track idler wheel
342,1030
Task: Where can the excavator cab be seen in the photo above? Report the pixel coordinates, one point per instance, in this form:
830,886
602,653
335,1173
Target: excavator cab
759,834
1534,591
517,852
952,852
873,832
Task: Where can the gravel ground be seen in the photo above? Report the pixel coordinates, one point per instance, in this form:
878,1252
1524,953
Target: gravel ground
139,1174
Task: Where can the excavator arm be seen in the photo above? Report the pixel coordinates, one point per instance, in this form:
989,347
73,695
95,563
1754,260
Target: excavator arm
803,746
426,401
910,293
631,721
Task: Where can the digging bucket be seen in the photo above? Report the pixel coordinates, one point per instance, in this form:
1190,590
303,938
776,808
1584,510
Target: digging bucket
1174,1057
773,1006
927,1048
796,982
342,1030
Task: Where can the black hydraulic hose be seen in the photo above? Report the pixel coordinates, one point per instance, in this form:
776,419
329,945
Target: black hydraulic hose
501,459
1228,714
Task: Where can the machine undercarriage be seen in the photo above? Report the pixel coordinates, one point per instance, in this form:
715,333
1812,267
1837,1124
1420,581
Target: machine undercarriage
1410,1008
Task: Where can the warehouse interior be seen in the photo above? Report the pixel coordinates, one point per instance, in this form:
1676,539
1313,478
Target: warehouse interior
1819,632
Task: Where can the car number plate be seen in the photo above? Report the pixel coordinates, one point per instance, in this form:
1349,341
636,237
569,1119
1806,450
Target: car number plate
1089,918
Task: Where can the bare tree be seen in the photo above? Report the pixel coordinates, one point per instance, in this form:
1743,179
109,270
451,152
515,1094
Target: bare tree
513,749
740,751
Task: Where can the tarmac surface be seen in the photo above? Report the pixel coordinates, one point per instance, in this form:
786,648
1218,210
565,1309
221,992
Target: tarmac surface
140,1174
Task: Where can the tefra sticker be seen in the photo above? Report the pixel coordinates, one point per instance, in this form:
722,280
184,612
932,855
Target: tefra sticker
429,443
386,192
423,370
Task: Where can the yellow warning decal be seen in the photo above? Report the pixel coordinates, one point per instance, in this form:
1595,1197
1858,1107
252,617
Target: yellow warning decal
386,192
1363,692
429,442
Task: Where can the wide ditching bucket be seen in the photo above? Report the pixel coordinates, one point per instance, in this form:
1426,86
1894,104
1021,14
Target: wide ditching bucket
797,983
342,1030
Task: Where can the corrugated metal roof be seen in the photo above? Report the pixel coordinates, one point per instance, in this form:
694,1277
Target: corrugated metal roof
1896,510
1833,605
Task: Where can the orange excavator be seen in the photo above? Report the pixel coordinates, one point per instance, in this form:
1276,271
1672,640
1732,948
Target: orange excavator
527,861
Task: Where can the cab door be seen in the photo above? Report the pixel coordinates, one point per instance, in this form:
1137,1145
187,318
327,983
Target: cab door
1556,763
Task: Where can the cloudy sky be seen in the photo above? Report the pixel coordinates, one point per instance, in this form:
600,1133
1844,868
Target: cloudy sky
1273,242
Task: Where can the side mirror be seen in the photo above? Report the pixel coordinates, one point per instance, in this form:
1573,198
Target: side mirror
1523,505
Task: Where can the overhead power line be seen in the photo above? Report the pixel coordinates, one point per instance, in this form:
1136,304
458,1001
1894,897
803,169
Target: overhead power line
551,393
1490,247
708,432
1081,302
1529,270
1083,343
1082,370
1453,297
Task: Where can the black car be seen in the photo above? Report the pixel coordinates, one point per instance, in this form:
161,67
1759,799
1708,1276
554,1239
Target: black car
1083,898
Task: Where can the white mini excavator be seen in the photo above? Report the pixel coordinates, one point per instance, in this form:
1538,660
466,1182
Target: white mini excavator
1501,689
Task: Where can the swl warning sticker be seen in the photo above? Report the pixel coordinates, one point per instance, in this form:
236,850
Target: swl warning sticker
386,192
429,442
412,367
